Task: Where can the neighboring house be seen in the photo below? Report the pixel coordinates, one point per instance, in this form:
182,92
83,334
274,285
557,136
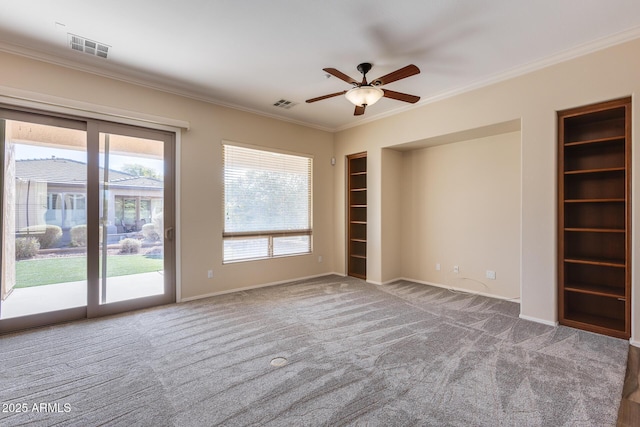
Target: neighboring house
53,191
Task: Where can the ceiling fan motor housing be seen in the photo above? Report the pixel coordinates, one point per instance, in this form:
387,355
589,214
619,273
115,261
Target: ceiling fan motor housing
364,68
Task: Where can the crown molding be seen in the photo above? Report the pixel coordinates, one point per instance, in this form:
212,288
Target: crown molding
168,86
163,85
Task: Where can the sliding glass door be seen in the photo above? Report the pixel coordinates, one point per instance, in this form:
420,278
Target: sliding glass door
43,203
135,231
87,219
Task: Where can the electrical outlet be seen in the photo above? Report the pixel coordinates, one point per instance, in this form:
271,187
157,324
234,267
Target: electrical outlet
210,274
320,258
491,274
438,267
456,269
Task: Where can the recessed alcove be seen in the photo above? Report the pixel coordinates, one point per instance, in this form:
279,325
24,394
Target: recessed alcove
457,203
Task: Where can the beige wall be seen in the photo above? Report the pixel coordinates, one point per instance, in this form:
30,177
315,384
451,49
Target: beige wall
461,206
534,99
392,209
200,169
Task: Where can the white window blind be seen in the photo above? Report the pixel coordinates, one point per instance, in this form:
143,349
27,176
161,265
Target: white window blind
267,204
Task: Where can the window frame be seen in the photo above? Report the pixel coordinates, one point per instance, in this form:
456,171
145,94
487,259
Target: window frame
268,234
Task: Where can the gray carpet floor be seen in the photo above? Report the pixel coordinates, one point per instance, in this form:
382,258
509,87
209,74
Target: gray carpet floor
356,354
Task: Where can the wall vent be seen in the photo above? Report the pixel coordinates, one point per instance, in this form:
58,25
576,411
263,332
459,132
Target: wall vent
85,45
283,103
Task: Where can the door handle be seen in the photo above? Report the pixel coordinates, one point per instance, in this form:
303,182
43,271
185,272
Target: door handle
168,233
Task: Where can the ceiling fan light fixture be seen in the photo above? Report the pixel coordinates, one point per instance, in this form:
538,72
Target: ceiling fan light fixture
364,95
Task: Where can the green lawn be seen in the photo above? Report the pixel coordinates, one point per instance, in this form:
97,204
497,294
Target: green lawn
36,272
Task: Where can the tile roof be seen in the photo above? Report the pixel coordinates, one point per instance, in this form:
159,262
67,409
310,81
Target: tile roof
66,171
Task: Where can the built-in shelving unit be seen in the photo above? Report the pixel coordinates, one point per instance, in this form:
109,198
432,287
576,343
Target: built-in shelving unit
594,218
357,215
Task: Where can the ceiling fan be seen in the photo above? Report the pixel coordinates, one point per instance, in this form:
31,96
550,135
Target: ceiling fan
363,93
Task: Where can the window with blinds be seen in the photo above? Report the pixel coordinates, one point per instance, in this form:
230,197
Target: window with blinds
267,204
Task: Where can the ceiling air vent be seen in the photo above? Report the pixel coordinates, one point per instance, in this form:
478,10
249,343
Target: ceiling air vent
91,47
283,103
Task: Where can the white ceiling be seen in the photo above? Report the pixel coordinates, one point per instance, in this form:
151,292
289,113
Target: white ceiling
251,53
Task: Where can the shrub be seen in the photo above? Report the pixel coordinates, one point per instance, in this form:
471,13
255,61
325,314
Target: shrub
48,235
26,247
52,234
158,221
130,246
79,235
149,232
156,253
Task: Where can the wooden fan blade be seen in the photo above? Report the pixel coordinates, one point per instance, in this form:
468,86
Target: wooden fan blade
331,95
340,75
359,110
402,73
401,96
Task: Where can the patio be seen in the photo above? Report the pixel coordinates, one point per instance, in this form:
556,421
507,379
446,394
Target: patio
59,296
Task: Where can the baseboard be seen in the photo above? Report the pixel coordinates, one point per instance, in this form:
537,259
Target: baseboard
262,285
535,319
454,288
374,282
386,282
634,342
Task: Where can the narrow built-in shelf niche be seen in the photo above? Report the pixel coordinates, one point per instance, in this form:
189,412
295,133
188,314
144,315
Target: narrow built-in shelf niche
357,215
594,218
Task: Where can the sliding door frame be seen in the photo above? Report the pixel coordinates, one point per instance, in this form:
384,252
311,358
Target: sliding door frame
34,116
94,306
93,128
